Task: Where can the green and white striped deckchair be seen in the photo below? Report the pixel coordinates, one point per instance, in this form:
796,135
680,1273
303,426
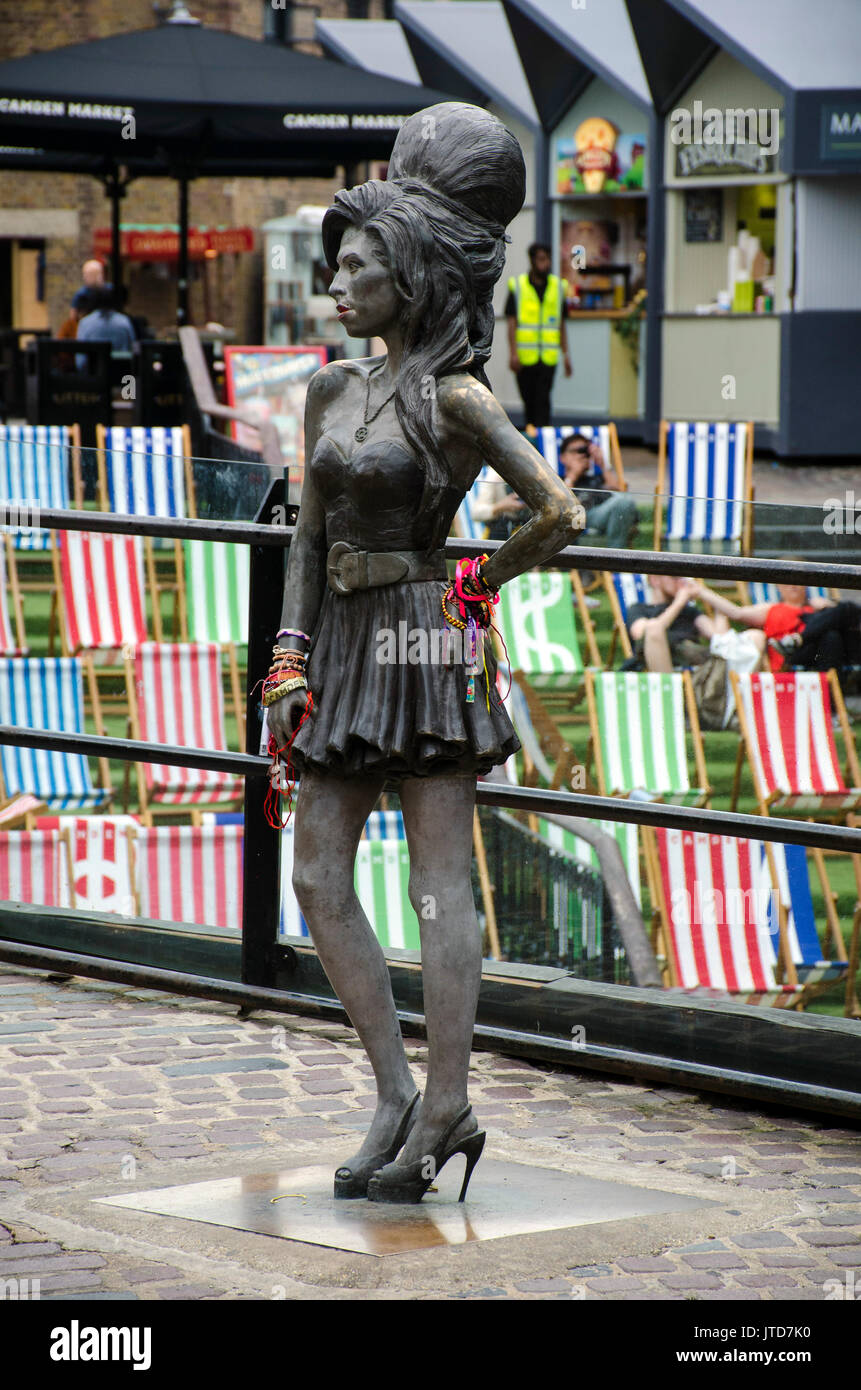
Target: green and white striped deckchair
626,838
216,577
536,619
382,882
216,587
637,724
382,878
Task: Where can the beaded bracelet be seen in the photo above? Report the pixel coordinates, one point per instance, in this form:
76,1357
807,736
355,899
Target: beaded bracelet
271,693
291,632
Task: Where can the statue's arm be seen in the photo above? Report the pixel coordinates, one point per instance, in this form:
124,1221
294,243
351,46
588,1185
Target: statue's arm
305,580
471,414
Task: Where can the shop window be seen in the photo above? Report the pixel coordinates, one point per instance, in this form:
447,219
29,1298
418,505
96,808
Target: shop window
290,21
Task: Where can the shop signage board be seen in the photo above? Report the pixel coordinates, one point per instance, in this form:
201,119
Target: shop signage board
599,158
841,131
162,243
700,159
272,382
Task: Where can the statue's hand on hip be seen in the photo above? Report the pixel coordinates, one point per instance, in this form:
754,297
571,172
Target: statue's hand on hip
284,715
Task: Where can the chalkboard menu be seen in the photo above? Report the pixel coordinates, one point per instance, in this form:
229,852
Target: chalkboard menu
703,214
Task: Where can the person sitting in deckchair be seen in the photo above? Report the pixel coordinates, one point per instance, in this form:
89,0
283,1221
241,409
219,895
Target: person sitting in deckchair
801,633
671,632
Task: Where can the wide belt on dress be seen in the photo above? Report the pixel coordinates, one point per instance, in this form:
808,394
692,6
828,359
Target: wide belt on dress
348,568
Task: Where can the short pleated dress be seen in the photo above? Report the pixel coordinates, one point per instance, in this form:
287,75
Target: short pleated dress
383,704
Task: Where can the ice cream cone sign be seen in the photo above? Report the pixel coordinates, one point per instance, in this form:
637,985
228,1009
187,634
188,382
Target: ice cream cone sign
595,160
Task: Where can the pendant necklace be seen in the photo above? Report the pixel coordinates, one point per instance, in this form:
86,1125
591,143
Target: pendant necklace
362,431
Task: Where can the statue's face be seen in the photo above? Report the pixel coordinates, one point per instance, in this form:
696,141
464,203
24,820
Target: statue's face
363,288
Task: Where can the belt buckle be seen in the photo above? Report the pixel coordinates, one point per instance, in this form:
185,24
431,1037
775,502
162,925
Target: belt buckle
342,566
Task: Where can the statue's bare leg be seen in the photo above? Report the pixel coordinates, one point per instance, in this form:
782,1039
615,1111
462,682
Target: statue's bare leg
438,819
330,814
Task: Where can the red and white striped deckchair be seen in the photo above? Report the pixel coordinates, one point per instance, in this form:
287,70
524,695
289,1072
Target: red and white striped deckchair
189,873
100,860
787,733
176,698
19,812
716,903
34,868
101,580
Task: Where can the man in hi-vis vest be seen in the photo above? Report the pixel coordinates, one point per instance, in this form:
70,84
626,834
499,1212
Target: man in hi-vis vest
535,309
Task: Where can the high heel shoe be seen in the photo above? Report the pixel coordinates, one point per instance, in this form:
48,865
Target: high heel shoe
403,1183
353,1181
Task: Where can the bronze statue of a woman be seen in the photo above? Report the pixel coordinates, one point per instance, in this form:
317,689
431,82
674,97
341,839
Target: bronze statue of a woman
393,444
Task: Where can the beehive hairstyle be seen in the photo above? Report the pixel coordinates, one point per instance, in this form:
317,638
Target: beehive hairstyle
456,179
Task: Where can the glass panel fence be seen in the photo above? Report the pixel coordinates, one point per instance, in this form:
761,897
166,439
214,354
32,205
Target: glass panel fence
100,632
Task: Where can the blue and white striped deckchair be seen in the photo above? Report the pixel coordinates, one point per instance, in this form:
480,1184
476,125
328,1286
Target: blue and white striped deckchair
793,881
34,473
705,486
145,472
48,693
623,591
466,526
549,439
760,592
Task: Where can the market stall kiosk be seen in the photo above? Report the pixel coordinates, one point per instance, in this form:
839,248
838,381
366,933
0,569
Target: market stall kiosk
728,250
598,190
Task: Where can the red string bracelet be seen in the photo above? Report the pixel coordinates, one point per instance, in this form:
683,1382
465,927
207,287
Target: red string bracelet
276,792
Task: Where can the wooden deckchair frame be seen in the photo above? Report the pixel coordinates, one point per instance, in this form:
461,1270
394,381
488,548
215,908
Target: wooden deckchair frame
595,754
175,569
746,539
620,631
14,588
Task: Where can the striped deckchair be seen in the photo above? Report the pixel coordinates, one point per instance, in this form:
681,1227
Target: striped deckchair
794,900
637,724
148,472
145,471
548,442
175,698
34,868
217,578
466,526
760,592
788,740
35,465
20,812
99,860
101,581
713,895
536,767
536,619
623,591
382,880
189,873
12,640
625,835
48,693
705,485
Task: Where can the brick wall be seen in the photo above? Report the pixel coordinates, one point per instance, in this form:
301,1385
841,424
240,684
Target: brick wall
237,282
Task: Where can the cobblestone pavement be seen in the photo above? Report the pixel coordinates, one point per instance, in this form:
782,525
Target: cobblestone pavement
104,1089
